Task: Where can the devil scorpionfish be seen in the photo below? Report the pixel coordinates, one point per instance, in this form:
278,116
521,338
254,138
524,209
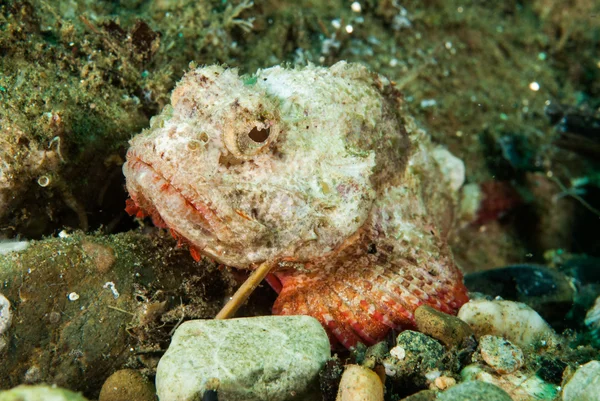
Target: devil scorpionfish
317,169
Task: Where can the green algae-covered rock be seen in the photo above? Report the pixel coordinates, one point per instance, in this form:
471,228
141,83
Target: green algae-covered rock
40,393
260,358
474,391
83,306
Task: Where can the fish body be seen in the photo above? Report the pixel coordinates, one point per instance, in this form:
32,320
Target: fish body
318,169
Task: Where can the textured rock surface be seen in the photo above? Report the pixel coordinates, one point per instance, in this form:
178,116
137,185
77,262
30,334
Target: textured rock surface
360,384
474,391
446,328
500,354
520,385
261,358
585,383
40,393
84,306
414,355
514,321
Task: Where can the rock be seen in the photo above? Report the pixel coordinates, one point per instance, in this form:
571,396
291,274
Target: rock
414,355
39,393
521,385
81,305
500,354
514,321
474,391
360,384
584,385
260,358
5,320
423,395
546,290
127,385
444,382
448,329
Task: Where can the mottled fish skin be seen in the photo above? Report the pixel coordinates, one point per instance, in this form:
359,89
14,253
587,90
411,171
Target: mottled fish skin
319,169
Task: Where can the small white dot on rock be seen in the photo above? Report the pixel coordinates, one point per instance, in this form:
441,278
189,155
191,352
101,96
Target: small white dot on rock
73,296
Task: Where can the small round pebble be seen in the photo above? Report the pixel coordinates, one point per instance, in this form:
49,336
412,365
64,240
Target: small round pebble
360,384
500,354
127,385
448,329
474,391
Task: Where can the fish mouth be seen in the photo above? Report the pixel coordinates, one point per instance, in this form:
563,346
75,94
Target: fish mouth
189,219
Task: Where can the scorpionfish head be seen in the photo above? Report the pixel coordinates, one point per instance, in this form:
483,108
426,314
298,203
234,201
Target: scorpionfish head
249,168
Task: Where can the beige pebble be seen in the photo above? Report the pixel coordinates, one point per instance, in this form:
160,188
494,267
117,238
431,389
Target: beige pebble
448,329
360,384
444,382
127,385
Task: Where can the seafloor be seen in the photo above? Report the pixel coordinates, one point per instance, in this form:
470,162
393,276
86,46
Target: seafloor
510,87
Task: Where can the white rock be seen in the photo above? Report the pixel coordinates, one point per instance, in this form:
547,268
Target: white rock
40,393
453,168
259,358
5,314
585,384
13,246
514,321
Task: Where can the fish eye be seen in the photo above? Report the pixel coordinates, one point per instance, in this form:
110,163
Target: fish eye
252,137
253,140
259,135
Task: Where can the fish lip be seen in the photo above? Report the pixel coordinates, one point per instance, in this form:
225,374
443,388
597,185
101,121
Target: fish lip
135,164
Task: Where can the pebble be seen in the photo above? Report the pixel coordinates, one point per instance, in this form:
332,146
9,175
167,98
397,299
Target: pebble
514,321
414,356
127,385
259,358
584,385
448,329
546,290
474,391
423,395
360,384
521,385
5,320
39,393
500,354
